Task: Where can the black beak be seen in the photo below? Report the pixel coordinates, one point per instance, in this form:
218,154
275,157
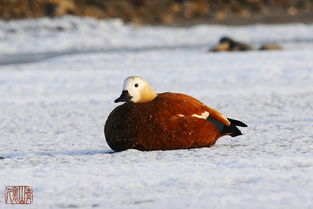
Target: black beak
125,97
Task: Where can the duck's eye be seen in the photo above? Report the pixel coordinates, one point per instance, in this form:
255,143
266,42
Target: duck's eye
136,85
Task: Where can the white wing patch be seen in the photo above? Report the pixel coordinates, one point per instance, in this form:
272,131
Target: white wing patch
204,115
177,116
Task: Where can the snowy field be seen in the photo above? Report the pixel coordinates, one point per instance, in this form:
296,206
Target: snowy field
58,81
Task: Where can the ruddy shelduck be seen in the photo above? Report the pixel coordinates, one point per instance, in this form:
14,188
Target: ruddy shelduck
164,121
231,45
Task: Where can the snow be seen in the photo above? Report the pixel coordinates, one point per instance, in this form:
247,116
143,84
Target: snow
57,87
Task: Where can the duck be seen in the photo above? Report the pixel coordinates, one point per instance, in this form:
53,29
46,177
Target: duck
271,47
229,44
150,121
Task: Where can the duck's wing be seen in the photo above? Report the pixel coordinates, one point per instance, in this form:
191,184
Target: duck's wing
184,105
218,116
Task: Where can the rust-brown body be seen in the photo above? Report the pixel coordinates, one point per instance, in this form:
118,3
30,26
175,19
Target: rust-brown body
165,123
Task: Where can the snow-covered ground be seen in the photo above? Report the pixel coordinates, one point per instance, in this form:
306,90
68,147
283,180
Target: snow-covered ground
58,80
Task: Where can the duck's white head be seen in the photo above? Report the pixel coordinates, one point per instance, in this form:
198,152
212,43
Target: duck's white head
136,90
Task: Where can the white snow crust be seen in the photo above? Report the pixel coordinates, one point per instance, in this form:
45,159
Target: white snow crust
59,78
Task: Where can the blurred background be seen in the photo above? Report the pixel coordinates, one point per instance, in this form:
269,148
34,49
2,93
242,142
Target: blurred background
166,11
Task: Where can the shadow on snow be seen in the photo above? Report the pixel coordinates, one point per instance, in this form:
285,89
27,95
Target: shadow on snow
56,153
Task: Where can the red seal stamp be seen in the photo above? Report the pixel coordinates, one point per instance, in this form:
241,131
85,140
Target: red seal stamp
18,195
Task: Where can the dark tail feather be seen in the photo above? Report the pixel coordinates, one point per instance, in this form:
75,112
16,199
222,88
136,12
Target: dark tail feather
232,130
237,123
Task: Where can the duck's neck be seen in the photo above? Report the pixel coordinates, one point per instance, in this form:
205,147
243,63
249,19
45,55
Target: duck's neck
147,95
